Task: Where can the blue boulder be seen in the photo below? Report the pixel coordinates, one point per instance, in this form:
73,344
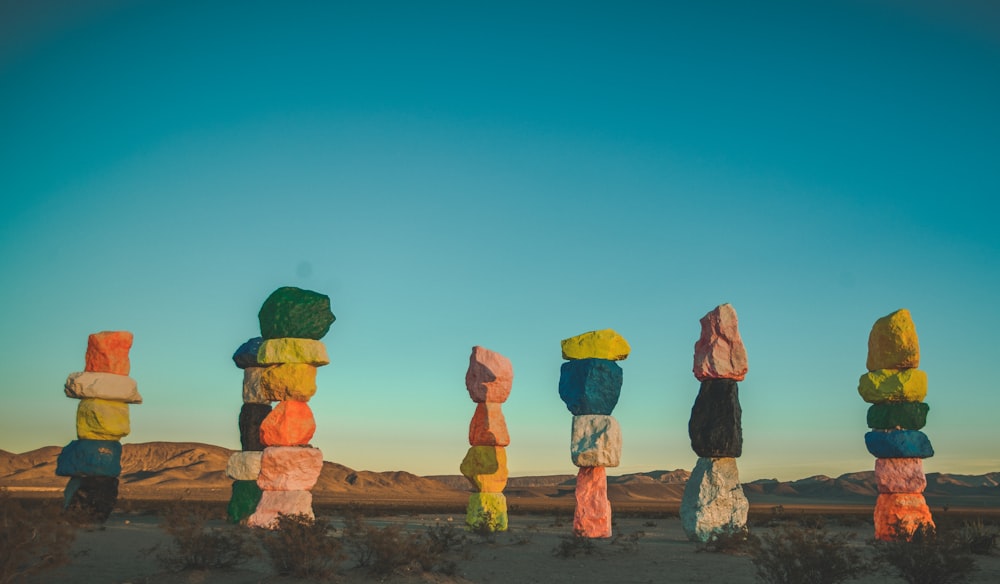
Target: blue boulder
590,386
246,355
90,458
899,444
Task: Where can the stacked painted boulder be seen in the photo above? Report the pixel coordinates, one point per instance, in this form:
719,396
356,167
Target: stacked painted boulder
93,460
277,467
489,380
896,389
713,503
590,383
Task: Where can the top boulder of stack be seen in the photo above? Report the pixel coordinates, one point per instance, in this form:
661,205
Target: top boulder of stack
107,352
490,376
294,312
892,344
602,344
719,352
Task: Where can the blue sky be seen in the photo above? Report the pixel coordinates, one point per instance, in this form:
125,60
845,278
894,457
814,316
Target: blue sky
506,175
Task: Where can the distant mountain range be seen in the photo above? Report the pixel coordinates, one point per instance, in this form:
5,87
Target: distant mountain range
162,469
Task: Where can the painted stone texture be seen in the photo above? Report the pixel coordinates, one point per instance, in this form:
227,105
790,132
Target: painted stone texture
91,498
713,502
90,458
274,502
603,344
109,386
590,386
101,419
290,423
592,517
246,355
251,417
289,468
486,468
892,343
488,426
595,440
892,385
487,510
292,350
898,415
489,377
900,475
288,381
899,515
898,444
244,466
253,391
294,312
719,353
107,352
715,426
243,501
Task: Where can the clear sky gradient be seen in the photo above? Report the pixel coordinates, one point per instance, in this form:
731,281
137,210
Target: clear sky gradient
504,174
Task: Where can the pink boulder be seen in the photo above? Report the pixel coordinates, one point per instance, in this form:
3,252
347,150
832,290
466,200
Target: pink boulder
289,468
284,502
719,353
592,517
489,377
290,423
107,352
488,426
900,475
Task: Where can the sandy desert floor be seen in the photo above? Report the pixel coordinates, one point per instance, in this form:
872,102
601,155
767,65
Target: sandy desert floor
124,550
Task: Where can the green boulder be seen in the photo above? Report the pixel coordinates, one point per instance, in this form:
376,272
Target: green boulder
902,415
294,312
242,504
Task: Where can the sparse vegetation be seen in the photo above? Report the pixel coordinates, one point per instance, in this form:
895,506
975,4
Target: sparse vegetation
929,557
571,546
628,543
197,546
390,549
731,542
33,538
793,555
978,537
303,547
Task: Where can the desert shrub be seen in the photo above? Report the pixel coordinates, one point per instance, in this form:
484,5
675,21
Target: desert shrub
445,537
385,550
928,557
303,547
571,546
33,539
792,555
977,537
727,542
627,542
196,546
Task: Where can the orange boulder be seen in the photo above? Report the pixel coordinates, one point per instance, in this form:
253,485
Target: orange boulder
290,423
107,352
592,517
488,427
899,515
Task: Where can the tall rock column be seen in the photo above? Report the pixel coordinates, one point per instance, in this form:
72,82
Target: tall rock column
244,466
590,383
93,460
292,322
896,389
489,380
713,501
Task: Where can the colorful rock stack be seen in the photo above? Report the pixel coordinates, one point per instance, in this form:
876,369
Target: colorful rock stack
896,389
713,502
277,467
590,383
93,460
489,380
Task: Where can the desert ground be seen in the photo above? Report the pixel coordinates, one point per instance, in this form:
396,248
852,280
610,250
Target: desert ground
648,546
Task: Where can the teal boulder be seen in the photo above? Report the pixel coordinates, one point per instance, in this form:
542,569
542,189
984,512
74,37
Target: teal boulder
294,312
90,458
590,386
899,444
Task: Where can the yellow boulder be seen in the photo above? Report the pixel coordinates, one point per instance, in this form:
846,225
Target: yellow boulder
486,468
893,344
101,419
486,512
603,344
288,381
893,385
292,350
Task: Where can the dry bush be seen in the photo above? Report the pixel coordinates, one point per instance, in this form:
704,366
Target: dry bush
728,542
793,555
387,550
197,546
929,557
627,543
978,537
303,547
33,538
571,546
